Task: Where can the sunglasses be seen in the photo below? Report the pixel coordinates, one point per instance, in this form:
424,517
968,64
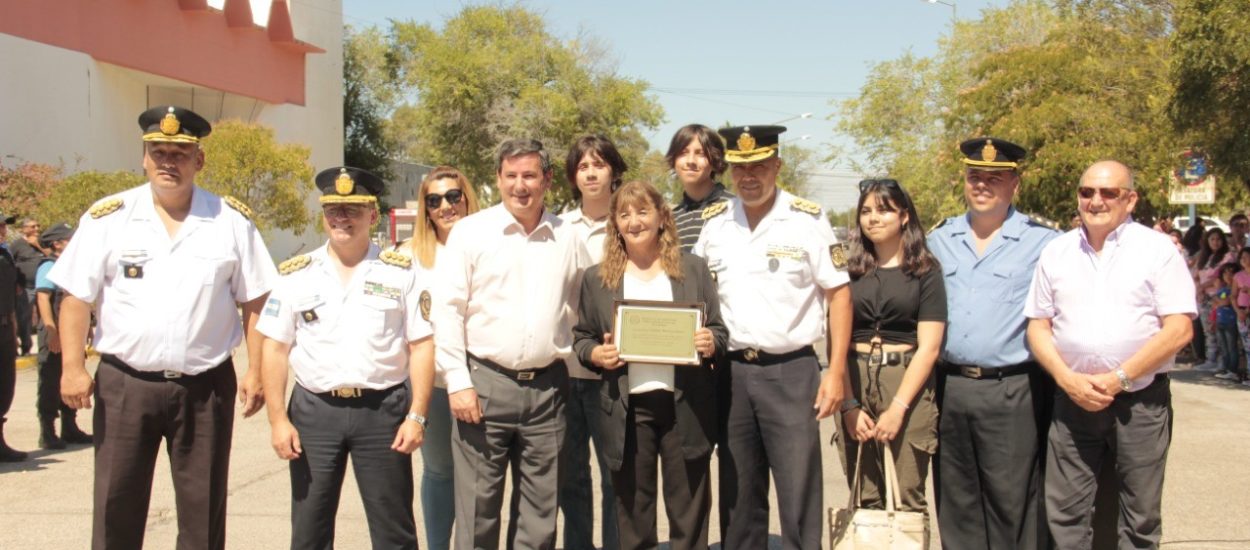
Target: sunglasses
865,184
1107,193
435,200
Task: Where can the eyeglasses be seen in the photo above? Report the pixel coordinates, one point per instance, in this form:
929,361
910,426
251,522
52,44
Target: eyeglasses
435,200
1107,193
865,184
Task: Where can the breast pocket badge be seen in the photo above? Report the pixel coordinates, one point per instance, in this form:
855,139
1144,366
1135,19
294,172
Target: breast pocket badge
132,271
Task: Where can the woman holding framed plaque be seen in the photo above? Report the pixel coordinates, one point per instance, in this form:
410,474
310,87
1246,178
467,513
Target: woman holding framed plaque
657,306
899,302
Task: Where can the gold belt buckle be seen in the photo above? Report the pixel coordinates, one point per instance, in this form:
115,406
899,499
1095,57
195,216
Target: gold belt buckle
171,374
346,393
751,354
970,372
525,375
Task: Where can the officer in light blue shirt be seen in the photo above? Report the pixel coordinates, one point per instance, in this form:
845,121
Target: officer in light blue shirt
992,394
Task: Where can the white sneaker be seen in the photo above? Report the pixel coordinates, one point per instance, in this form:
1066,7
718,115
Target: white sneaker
1209,366
1246,382
1225,375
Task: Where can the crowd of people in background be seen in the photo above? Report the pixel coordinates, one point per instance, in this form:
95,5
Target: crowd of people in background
985,348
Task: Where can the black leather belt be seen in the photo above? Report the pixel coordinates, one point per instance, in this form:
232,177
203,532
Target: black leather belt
523,375
981,373
887,358
753,355
155,376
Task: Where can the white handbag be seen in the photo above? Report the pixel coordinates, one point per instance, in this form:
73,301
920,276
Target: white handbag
855,528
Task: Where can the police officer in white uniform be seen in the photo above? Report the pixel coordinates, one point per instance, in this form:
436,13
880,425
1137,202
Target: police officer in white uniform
352,322
780,269
165,265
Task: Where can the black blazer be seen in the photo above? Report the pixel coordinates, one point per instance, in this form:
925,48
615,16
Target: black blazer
694,392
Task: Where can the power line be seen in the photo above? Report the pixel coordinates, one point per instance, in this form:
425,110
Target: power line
751,93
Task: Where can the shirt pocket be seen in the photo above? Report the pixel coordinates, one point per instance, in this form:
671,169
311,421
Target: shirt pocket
214,269
381,315
1009,285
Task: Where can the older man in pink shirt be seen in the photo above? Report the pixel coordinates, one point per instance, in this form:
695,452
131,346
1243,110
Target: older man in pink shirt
1111,304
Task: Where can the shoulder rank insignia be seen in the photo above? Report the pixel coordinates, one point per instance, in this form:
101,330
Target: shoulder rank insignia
425,302
105,207
715,208
396,259
837,253
804,205
294,264
238,205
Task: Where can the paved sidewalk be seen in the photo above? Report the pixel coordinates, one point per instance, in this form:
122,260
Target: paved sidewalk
47,500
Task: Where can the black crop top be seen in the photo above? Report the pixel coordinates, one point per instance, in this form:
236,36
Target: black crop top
893,303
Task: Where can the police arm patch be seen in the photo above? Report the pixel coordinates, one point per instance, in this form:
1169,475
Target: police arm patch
425,302
837,253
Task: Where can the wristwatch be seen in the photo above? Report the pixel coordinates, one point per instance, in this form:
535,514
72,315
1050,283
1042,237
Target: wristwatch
1126,383
417,418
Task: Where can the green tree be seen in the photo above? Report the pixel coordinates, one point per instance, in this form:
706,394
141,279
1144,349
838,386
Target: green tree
797,162
369,95
1210,74
273,179
71,197
496,72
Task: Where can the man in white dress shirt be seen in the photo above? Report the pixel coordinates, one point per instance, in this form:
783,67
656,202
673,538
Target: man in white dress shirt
165,265
511,275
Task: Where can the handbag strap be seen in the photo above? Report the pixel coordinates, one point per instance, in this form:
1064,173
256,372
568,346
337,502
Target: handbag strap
855,483
892,498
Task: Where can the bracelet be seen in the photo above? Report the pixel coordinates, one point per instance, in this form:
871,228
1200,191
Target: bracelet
849,404
900,403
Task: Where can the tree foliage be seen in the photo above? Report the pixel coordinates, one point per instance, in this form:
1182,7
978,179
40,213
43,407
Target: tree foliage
1072,81
495,72
1211,80
71,197
369,95
25,187
274,179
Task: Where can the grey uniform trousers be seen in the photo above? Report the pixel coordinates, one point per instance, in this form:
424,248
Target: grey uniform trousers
1137,427
522,429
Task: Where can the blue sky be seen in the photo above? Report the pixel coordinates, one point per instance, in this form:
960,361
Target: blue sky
734,61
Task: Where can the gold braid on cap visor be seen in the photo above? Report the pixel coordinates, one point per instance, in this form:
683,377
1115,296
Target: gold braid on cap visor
752,155
159,136
348,199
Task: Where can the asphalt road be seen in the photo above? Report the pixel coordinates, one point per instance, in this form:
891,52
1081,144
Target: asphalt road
45,503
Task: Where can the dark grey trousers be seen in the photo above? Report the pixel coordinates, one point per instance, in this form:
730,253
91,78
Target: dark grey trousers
330,429
771,426
989,472
1136,427
522,429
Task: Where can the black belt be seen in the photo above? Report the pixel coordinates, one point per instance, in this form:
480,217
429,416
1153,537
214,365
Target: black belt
981,373
887,358
753,355
355,393
155,376
523,375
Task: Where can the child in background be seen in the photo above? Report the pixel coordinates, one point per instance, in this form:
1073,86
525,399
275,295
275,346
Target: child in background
1226,323
1241,303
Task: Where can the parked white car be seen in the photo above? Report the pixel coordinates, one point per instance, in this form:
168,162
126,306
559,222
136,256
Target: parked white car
1182,223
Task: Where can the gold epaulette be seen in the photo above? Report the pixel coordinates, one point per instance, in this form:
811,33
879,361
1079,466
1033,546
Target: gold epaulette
714,209
396,259
294,264
105,207
804,205
238,205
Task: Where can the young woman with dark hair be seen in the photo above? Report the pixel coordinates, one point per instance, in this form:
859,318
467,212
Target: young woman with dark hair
899,301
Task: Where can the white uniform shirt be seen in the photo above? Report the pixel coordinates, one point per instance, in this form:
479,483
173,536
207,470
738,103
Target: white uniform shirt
166,303
592,233
772,280
425,280
504,295
356,335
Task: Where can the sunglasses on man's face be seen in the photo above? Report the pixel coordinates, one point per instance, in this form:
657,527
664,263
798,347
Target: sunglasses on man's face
1107,193
865,184
435,200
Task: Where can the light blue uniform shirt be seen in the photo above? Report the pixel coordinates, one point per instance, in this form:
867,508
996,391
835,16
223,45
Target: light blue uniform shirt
42,282
985,295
